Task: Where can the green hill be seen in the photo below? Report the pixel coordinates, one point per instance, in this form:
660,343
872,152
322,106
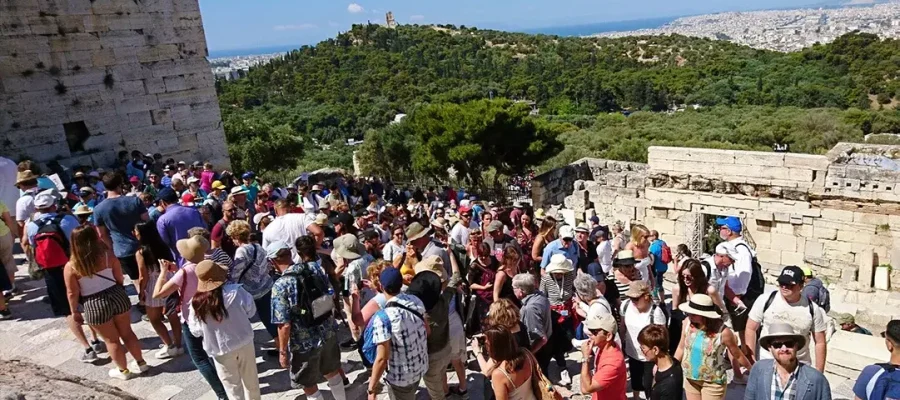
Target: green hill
357,82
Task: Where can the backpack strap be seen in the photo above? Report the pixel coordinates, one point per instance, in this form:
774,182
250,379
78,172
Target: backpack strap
398,305
708,269
870,386
769,302
250,265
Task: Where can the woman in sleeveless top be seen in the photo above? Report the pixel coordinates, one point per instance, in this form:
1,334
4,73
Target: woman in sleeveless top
640,249
545,235
152,250
702,350
503,314
94,279
503,280
511,379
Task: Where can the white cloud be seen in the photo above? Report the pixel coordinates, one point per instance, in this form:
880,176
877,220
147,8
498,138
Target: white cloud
416,17
297,27
355,8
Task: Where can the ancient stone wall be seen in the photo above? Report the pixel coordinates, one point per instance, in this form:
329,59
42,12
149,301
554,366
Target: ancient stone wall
837,213
81,80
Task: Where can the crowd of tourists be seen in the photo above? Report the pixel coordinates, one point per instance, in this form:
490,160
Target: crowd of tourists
418,279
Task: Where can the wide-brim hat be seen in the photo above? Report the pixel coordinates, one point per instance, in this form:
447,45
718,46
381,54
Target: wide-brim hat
439,222
82,210
781,330
637,289
193,249
25,176
348,247
415,231
624,258
210,275
702,305
559,264
432,264
238,190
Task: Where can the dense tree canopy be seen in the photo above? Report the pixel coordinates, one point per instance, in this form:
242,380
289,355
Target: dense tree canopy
353,85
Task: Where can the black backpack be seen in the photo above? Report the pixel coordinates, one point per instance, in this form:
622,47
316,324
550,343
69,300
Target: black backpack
310,287
757,280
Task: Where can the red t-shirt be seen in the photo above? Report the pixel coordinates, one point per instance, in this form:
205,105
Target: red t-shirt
609,371
225,242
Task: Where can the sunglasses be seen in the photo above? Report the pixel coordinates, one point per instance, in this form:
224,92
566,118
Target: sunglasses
787,343
567,239
787,286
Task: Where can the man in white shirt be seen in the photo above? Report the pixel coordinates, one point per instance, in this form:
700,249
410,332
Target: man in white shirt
287,227
788,306
460,232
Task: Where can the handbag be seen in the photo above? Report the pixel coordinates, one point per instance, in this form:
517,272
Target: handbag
543,388
173,301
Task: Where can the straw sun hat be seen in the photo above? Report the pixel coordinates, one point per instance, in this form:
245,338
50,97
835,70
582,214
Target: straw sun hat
702,305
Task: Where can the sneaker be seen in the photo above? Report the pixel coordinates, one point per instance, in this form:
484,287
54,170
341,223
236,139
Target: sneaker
5,314
564,379
166,352
123,375
145,318
138,368
88,356
98,346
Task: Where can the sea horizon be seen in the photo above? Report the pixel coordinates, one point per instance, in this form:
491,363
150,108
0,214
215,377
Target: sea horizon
558,30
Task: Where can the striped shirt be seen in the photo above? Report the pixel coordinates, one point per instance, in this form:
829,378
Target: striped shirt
558,290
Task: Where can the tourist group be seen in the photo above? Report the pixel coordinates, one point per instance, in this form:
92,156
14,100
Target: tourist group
423,282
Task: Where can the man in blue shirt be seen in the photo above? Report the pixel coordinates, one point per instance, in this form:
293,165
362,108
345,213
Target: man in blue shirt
176,220
867,384
659,267
563,246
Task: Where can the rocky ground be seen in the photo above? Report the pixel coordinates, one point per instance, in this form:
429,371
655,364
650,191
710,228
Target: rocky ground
25,380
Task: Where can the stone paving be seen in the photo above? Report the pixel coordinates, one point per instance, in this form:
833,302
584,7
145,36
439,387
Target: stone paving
35,335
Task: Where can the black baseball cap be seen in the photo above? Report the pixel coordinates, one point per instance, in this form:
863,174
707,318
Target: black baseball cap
342,218
167,195
790,275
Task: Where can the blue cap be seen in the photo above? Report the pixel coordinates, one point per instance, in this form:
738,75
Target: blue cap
167,195
596,272
391,280
248,175
732,223
595,220
274,248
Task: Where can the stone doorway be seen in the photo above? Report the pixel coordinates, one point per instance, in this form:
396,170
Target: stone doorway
700,233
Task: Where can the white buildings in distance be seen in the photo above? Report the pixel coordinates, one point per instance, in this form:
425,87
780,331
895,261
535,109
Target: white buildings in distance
783,30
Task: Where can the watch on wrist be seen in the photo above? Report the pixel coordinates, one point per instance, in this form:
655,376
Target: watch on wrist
370,391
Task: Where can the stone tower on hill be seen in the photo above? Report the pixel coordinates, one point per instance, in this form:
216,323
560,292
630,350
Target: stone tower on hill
81,80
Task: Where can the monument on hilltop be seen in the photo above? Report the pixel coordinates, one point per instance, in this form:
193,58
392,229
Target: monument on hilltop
82,80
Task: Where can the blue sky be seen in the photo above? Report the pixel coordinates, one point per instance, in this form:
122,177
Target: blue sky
243,24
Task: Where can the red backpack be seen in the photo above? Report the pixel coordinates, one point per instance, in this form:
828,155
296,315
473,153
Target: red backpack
51,247
666,254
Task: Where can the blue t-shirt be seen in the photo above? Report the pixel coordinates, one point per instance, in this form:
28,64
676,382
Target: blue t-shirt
859,389
656,249
119,215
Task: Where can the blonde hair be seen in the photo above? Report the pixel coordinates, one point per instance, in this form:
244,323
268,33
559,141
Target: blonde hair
637,233
374,272
238,229
503,314
548,227
88,251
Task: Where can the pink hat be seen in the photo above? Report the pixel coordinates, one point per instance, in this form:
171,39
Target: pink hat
134,179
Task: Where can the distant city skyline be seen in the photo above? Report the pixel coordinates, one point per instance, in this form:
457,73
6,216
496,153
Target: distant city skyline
239,24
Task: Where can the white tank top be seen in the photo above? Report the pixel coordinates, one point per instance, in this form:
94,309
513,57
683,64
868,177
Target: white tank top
99,282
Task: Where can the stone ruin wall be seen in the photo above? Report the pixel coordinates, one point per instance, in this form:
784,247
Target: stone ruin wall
837,213
81,80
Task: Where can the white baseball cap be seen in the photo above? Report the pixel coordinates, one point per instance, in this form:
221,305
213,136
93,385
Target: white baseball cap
44,200
566,232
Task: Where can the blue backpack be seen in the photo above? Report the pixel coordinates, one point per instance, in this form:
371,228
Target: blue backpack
885,384
369,349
